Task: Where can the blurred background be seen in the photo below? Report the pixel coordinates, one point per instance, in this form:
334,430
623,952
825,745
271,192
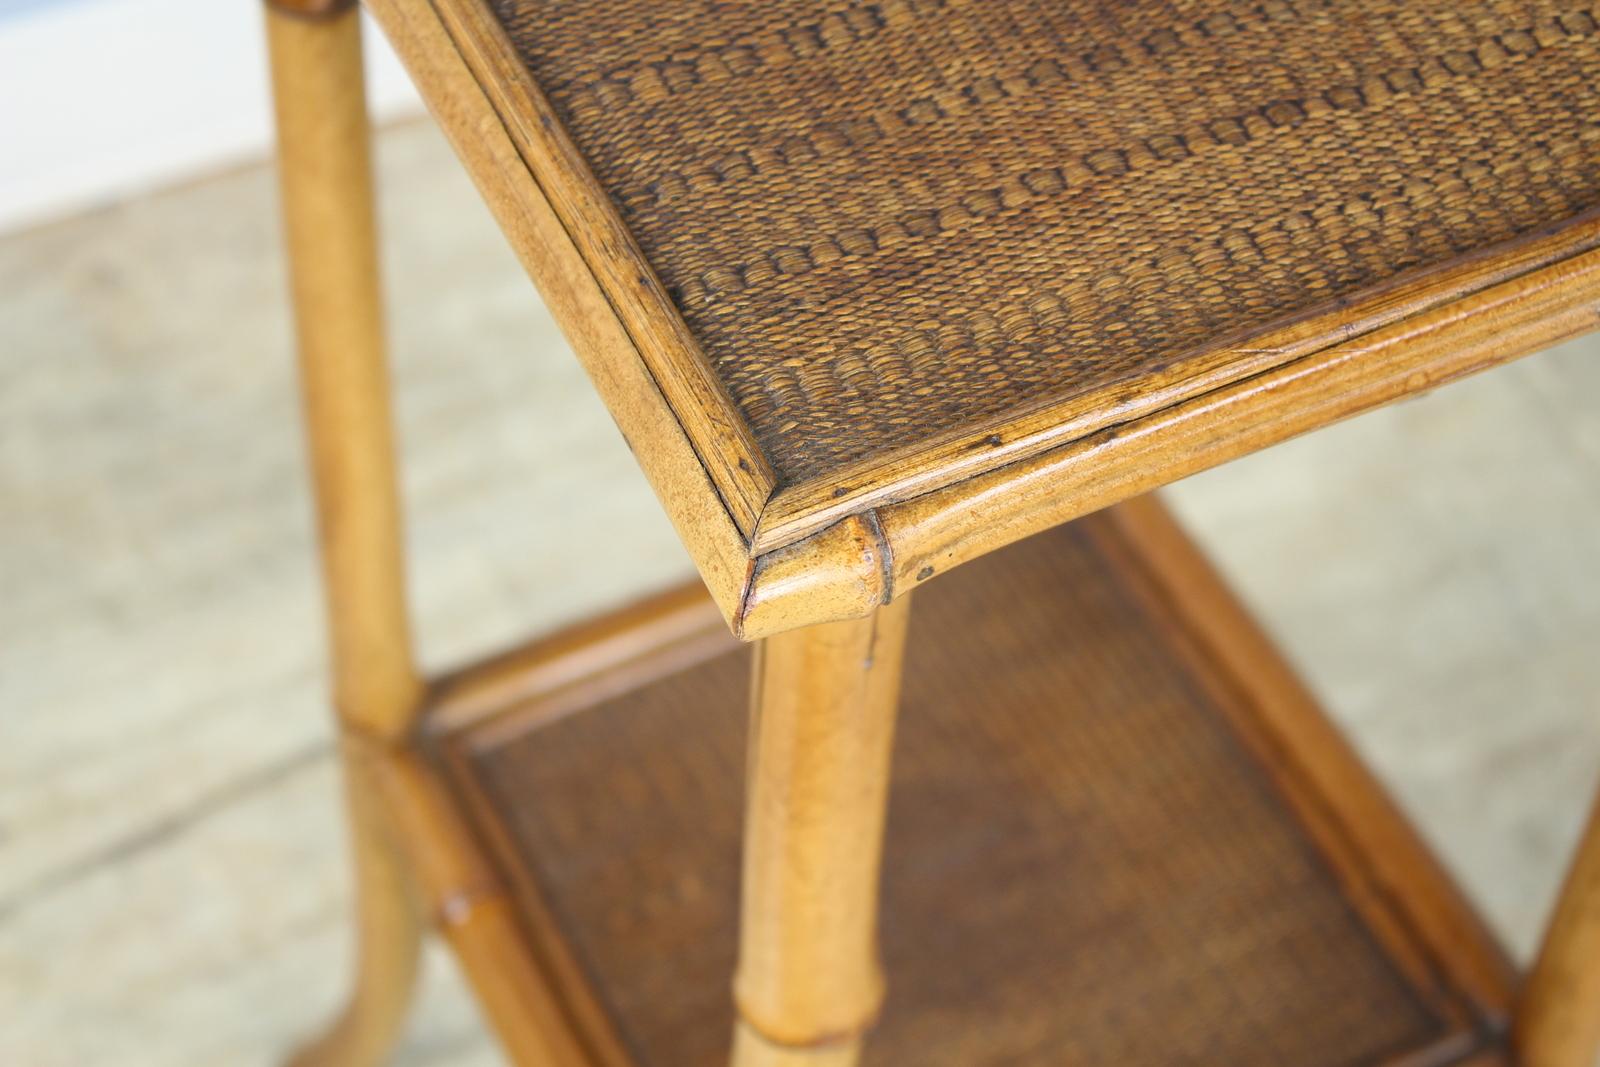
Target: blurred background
172,869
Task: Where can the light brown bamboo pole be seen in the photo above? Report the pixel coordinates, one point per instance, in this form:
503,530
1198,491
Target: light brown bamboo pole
809,983
325,173
388,930
326,177
1558,1013
475,912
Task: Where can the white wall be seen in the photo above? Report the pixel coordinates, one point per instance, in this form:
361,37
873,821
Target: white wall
100,99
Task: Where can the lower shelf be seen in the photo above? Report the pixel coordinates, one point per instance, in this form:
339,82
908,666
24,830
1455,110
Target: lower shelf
1119,832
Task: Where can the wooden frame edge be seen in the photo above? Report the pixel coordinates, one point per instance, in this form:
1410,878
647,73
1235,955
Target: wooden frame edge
465,699
837,574
796,511
527,690
724,443
567,983
1295,732
469,905
934,532
704,517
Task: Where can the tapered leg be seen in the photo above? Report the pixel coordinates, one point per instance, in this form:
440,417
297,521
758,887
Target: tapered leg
1558,1013
809,983
325,169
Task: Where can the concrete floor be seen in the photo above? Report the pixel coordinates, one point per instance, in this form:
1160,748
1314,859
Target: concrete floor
172,885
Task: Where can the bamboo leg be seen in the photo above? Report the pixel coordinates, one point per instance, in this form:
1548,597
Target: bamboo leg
476,913
326,179
1558,1014
809,983
324,164
388,933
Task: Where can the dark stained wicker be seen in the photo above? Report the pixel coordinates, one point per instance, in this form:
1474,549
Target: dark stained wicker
891,221
1084,866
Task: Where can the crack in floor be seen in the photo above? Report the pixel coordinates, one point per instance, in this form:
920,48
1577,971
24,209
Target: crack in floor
201,808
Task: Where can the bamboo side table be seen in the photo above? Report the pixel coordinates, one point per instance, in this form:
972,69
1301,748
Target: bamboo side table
883,294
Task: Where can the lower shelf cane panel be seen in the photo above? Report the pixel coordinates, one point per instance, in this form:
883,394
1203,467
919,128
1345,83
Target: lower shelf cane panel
1091,858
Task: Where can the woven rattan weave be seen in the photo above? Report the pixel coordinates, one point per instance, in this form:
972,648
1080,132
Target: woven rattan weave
1085,864
887,222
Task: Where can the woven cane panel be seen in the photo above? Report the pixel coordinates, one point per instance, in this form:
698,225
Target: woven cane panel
1084,866
886,221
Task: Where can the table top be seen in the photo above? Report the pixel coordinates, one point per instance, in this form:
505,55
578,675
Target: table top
915,278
